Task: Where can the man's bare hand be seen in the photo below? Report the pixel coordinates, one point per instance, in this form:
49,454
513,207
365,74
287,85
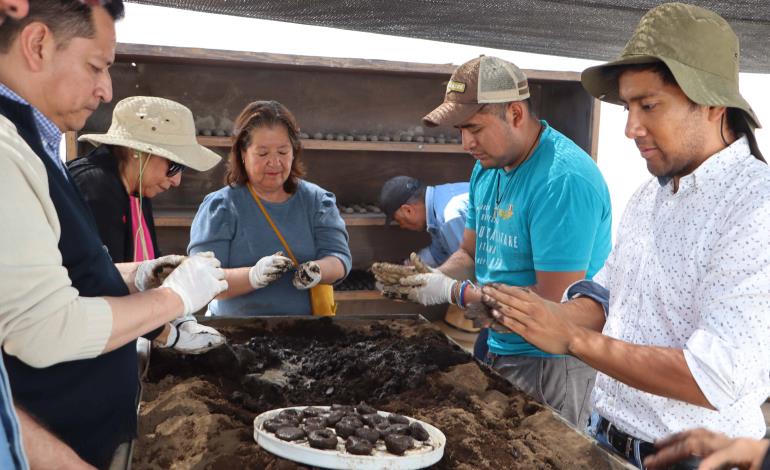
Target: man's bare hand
717,450
537,320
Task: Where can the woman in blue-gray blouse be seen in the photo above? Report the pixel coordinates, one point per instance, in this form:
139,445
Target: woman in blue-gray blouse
265,158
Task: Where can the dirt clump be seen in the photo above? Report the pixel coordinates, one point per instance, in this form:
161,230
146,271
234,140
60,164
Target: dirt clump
197,412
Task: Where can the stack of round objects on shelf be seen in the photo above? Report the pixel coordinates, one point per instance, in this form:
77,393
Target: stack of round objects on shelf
358,279
361,208
402,136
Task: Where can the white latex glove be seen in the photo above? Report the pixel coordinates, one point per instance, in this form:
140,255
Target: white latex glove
197,281
308,275
150,274
427,288
268,269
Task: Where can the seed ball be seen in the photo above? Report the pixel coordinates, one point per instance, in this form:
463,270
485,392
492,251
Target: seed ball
368,433
358,446
394,418
418,431
322,439
398,443
365,409
289,433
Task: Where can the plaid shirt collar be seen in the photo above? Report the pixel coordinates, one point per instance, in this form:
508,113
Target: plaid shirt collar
50,135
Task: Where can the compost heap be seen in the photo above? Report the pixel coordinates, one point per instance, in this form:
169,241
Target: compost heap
198,411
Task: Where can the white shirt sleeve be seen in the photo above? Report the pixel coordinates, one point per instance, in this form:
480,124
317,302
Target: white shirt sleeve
729,353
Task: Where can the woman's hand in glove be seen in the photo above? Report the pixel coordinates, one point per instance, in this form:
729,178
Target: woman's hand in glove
152,273
268,269
308,275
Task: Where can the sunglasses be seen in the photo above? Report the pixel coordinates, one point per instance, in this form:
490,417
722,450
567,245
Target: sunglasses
174,168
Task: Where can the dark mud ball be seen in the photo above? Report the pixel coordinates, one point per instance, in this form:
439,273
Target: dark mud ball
398,443
311,424
368,433
334,417
342,408
290,414
347,427
383,429
322,439
272,425
398,428
398,419
365,409
311,412
418,432
373,419
289,433
353,421
358,446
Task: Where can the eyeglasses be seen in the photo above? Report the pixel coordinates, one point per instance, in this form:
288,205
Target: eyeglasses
174,168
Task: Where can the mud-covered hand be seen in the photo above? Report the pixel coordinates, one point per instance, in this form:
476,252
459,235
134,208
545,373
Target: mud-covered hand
426,289
268,269
527,314
389,274
308,275
197,280
151,274
481,316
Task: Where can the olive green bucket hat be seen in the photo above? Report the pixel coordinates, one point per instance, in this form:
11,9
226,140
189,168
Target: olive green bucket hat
697,45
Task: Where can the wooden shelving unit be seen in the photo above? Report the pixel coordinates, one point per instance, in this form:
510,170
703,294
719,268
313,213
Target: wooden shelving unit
315,144
331,96
349,295
184,218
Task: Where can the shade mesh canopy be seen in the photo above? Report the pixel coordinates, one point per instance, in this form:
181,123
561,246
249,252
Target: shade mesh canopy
589,29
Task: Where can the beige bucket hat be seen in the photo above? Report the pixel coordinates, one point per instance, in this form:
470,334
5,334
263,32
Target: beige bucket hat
697,45
158,126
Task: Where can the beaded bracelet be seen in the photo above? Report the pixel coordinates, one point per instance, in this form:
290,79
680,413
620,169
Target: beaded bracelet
461,300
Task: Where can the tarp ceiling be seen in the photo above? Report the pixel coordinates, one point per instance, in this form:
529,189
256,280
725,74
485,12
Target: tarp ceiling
589,29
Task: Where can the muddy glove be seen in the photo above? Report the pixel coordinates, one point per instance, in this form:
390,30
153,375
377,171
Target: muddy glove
268,269
187,336
426,289
197,280
308,275
151,274
389,274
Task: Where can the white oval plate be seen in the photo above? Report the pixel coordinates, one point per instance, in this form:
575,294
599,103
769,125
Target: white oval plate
300,451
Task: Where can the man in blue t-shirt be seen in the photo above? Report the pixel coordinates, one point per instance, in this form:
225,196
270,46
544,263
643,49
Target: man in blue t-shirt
538,216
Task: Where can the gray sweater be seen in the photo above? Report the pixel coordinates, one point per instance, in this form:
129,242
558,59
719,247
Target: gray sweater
43,320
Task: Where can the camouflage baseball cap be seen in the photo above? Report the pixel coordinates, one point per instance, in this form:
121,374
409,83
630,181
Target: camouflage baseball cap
697,45
483,80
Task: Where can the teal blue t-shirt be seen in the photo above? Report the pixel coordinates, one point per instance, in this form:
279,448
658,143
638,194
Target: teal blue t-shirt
553,215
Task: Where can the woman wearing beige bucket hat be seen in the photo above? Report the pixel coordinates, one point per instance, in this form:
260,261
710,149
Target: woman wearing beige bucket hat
148,145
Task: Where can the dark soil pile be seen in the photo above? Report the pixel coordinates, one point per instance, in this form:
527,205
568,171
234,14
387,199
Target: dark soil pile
198,411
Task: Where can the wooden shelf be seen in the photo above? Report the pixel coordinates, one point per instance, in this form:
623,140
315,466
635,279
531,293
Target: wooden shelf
313,144
181,218
348,295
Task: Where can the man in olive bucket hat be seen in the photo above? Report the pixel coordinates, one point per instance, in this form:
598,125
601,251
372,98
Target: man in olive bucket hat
676,322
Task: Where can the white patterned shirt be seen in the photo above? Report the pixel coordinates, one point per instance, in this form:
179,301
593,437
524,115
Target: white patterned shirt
691,270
